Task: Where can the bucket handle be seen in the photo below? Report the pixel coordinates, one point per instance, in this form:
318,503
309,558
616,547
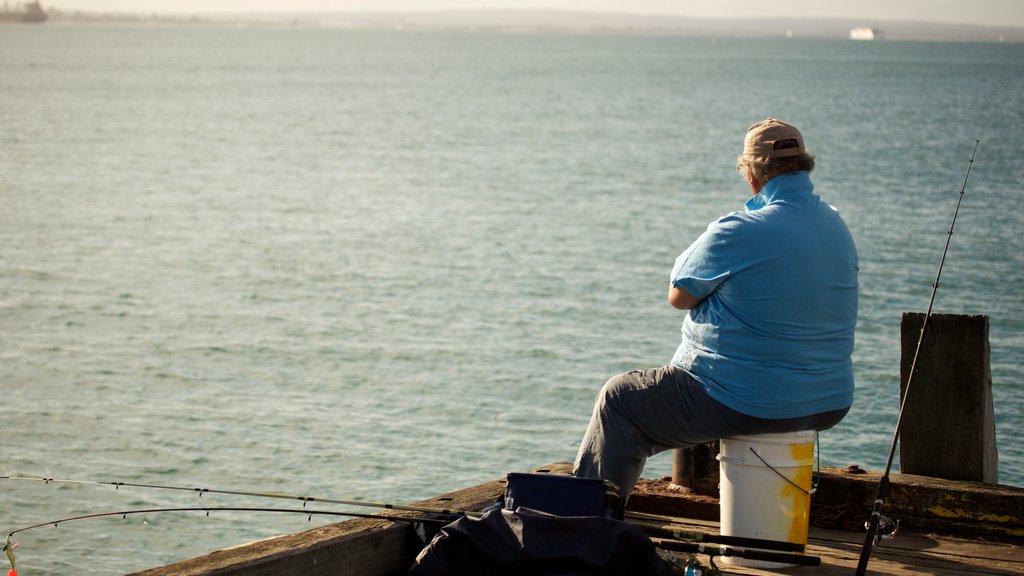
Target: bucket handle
783,476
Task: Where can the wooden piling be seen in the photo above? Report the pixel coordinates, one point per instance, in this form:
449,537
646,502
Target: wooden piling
948,427
696,468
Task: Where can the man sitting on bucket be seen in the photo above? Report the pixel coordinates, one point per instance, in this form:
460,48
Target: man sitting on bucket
771,295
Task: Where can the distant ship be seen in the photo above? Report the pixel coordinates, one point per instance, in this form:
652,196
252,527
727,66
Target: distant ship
864,33
27,13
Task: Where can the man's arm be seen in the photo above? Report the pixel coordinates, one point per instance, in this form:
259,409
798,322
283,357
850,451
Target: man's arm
681,299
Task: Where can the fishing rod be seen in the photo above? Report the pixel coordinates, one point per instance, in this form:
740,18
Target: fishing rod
697,538
873,532
642,520
200,491
9,547
672,533
712,551
207,509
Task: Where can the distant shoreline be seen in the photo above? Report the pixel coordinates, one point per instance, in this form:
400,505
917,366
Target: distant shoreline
527,21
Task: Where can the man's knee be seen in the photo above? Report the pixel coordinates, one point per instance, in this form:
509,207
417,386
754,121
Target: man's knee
614,387
618,386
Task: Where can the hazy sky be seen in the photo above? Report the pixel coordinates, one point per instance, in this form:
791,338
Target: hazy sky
990,12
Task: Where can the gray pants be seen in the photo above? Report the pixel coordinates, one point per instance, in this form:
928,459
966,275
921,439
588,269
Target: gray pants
641,413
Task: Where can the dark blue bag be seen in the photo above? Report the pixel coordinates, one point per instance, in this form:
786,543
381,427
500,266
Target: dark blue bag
562,495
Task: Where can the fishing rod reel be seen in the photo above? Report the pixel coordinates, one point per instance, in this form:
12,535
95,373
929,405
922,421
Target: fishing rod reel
690,564
694,568
887,528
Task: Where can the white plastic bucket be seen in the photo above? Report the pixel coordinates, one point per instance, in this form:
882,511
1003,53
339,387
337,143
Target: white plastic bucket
754,500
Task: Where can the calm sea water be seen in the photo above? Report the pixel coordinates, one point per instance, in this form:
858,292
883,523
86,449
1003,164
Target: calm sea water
383,266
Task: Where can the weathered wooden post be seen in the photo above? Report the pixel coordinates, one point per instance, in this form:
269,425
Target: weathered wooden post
948,428
696,468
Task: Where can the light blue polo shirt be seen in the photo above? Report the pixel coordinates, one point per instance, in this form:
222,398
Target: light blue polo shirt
773,335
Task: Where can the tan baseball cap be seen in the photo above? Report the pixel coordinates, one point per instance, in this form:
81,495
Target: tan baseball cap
773,138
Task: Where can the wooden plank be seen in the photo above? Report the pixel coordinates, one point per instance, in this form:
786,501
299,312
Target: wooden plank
907,554
362,546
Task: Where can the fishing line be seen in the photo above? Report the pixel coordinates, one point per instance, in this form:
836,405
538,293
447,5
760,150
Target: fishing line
875,521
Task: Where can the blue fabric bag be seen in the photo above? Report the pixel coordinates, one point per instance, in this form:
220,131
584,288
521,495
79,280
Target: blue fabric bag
562,495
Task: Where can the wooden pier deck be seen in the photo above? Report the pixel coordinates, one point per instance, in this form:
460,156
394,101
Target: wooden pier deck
940,545
908,553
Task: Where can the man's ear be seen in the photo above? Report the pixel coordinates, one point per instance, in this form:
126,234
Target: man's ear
755,184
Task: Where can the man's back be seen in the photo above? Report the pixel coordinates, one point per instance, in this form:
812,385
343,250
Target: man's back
773,335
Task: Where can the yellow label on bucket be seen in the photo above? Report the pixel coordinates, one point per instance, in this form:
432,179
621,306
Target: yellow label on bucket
802,452
801,508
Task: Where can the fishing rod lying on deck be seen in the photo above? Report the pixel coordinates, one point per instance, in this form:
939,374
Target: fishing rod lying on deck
713,551
662,531
876,520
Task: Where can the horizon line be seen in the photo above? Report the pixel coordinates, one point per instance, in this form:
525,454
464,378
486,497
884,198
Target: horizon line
483,10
